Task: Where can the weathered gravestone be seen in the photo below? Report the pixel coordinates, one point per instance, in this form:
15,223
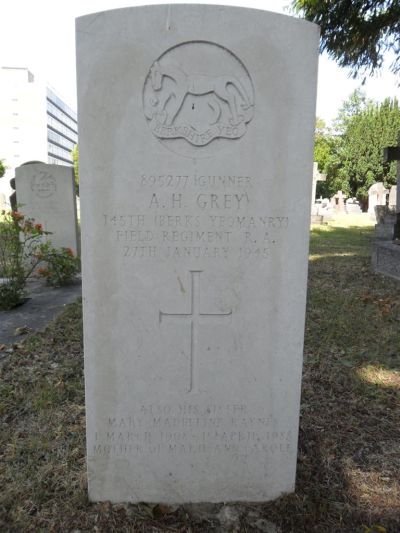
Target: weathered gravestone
196,126
338,202
47,194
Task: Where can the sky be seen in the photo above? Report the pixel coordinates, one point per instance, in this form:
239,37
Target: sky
40,35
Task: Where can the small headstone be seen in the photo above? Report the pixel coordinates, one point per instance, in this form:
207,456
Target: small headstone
377,195
47,194
326,210
353,206
321,211
193,121
338,202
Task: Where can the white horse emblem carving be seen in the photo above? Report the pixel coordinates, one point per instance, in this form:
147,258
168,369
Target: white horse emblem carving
196,85
199,107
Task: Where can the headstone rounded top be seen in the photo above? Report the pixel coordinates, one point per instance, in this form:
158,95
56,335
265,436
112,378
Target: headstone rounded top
377,188
32,163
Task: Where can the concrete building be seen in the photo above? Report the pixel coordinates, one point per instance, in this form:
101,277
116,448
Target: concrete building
35,123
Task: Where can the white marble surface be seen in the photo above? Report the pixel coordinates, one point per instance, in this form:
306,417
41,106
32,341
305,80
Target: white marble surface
47,194
196,154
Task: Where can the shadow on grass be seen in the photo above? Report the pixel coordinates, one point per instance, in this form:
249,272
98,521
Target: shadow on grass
348,462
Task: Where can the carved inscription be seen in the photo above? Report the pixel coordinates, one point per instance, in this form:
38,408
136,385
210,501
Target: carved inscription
196,216
192,430
198,101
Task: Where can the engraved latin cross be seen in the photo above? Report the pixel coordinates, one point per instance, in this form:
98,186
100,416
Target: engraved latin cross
195,318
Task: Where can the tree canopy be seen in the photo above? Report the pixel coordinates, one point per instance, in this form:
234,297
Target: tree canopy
350,153
356,33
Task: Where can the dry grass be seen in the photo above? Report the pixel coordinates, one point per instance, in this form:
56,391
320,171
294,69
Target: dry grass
349,457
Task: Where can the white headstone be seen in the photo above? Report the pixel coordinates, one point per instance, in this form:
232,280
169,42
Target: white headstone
47,194
377,195
196,148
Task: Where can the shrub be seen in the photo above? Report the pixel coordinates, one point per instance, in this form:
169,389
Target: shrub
20,242
62,265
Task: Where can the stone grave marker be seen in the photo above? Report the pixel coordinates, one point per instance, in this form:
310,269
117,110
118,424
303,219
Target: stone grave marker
196,147
47,194
338,202
353,206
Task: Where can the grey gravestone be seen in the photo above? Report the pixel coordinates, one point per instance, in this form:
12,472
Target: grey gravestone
338,202
47,194
194,120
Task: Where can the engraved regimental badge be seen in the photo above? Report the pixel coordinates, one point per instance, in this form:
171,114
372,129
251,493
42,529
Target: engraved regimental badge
43,184
198,92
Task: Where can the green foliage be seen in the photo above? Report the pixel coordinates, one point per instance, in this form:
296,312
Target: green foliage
327,155
20,241
367,134
355,105
22,250
75,158
356,33
2,168
351,153
61,265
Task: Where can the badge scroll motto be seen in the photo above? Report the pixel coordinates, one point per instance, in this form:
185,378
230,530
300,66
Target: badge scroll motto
198,91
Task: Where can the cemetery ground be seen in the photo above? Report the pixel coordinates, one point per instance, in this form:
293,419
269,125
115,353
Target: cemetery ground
348,474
